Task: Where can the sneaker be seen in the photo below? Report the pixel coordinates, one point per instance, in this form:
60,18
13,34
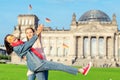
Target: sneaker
86,69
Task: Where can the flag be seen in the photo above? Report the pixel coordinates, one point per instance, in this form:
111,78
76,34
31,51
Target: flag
47,20
30,7
65,46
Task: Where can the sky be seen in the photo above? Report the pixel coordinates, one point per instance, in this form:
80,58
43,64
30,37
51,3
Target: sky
58,11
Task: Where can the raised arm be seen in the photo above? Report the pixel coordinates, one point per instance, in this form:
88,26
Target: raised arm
21,50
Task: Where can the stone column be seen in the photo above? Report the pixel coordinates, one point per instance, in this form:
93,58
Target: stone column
63,47
49,46
73,46
105,54
112,47
116,46
89,45
55,46
62,52
119,54
81,47
97,47
110,52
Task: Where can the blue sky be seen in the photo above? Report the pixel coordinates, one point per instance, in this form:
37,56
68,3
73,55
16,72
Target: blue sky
59,11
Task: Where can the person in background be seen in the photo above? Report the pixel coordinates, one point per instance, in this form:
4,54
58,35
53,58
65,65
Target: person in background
35,61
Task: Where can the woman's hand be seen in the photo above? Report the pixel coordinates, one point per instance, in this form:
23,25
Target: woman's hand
24,58
39,29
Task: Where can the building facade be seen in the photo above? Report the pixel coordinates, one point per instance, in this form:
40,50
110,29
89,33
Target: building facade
94,37
2,50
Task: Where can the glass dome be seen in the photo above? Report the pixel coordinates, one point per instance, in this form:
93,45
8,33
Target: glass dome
94,15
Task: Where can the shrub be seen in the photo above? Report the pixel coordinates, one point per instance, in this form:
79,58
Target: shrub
5,57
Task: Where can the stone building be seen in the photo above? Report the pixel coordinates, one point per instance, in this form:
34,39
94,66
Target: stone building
94,37
2,50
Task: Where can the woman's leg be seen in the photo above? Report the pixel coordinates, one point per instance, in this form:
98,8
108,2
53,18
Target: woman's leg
31,77
48,65
40,75
46,74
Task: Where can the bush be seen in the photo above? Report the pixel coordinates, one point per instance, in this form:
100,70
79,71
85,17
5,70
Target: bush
5,57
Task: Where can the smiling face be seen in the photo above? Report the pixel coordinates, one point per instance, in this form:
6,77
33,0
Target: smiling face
11,39
29,33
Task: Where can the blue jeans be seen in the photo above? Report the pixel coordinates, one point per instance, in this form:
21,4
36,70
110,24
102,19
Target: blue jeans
43,75
49,65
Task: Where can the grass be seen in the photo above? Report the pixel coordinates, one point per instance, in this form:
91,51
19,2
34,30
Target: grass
13,72
18,72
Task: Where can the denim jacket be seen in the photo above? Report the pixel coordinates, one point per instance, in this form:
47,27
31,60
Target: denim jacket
33,62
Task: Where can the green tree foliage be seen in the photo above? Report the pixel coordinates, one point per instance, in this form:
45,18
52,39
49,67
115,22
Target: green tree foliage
5,57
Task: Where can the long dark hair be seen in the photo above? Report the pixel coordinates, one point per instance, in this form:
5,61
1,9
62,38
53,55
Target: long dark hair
9,48
31,29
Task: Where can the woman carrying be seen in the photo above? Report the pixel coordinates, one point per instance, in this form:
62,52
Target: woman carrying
35,61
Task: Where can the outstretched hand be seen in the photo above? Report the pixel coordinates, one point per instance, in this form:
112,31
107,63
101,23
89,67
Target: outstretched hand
39,29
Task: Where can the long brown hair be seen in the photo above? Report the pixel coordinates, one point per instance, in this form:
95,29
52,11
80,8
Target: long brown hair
31,29
9,48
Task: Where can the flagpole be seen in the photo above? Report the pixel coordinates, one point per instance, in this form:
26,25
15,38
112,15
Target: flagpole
45,23
29,9
47,20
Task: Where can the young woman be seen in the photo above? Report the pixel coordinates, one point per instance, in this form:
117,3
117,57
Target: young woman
38,46
35,61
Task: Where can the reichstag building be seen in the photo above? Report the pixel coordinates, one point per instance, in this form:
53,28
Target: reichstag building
94,37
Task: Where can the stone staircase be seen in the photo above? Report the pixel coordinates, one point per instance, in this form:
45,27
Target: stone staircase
95,62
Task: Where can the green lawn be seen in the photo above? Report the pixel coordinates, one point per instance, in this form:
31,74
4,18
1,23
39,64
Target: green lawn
18,72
